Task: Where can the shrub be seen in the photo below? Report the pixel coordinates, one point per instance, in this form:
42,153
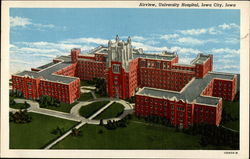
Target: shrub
20,117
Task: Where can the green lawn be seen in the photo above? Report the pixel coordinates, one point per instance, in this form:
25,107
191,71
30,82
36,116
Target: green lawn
19,106
135,136
36,134
90,109
233,125
232,108
85,83
85,96
100,96
112,111
63,107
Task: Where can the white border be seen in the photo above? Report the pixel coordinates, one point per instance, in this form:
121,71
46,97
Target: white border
244,94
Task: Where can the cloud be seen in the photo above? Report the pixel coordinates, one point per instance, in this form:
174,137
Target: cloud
190,41
87,41
228,26
138,38
182,50
232,40
169,36
148,48
19,21
19,61
225,50
185,60
211,30
22,22
193,31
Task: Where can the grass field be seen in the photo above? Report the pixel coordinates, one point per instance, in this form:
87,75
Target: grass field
136,135
232,108
99,95
233,125
36,134
19,106
85,96
90,109
112,111
85,83
63,107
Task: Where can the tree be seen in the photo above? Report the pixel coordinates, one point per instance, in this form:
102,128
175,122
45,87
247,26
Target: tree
12,101
100,85
21,116
26,105
76,132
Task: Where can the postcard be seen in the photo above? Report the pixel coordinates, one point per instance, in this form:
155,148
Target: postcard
130,79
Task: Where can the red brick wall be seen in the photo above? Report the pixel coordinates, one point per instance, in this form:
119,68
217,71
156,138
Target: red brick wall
56,90
205,114
208,91
163,77
225,89
178,112
117,82
28,86
74,90
68,71
74,55
87,70
202,69
132,78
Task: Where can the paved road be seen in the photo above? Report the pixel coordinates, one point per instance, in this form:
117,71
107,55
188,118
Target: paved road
64,136
93,94
34,107
78,126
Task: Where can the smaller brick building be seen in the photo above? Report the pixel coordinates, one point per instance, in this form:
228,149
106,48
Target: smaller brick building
54,79
198,102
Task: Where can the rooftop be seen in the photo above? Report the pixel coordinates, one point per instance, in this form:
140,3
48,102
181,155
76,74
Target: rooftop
200,59
191,92
161,56
46,65
47,73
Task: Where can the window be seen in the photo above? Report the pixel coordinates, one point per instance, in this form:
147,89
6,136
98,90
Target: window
116,68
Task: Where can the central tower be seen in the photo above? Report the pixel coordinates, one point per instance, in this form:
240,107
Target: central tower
120,51
119,56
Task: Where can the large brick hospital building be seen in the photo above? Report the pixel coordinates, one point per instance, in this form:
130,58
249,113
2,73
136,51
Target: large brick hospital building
185,94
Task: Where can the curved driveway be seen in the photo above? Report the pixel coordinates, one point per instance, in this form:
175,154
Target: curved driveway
74,112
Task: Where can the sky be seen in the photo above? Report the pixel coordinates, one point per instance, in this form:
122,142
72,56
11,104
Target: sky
37,35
